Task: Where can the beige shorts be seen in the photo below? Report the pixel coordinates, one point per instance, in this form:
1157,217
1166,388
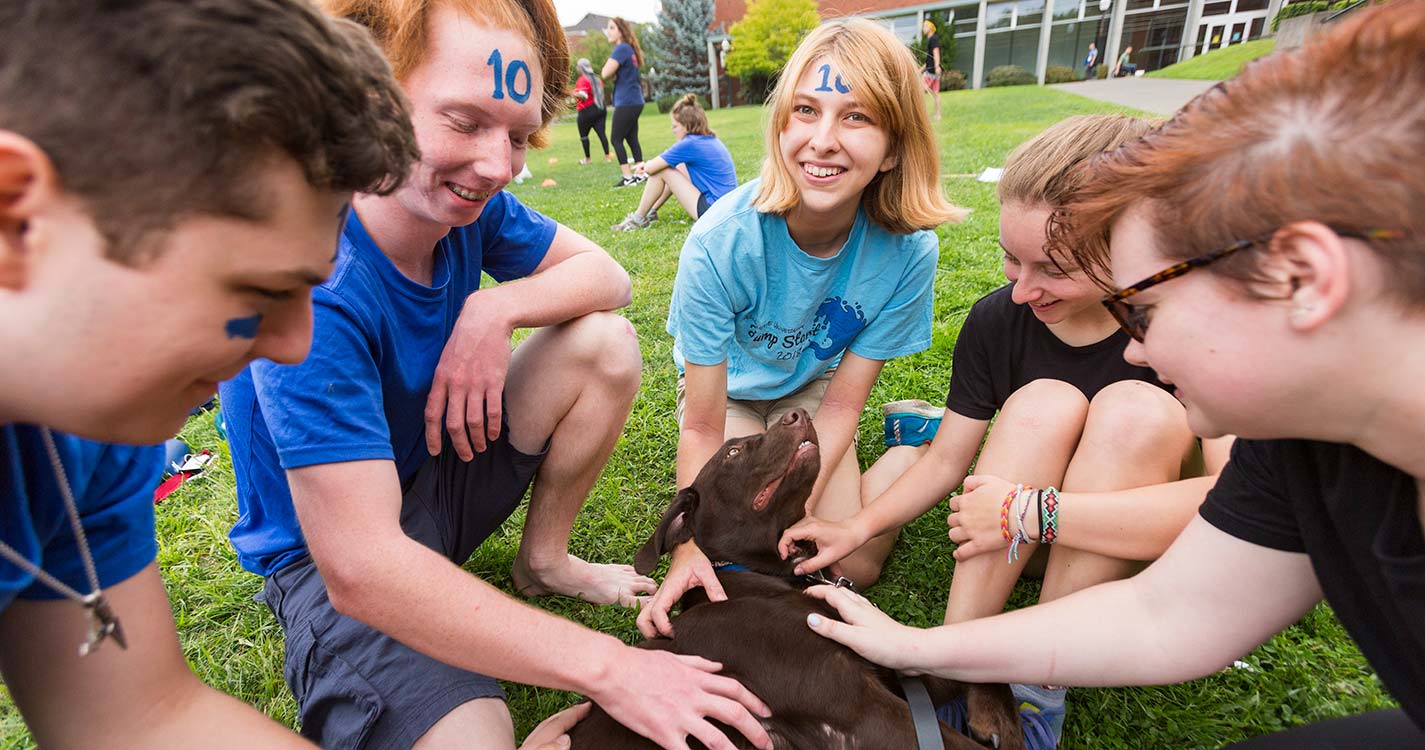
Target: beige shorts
768,412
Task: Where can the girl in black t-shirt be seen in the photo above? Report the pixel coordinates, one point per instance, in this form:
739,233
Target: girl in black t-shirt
1073,415
1268,251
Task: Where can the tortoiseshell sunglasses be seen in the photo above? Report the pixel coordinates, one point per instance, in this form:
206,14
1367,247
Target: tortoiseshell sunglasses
1134,318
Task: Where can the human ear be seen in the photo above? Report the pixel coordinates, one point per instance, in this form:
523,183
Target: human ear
27,182
1315,264
891,161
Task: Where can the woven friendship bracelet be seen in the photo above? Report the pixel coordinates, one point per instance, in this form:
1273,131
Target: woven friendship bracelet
1050,532
1004,512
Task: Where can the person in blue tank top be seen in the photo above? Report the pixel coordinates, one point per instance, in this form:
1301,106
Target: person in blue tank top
794,289
368,474
624,66
697,169
148,249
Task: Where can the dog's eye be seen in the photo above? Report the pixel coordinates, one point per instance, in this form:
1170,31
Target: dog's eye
733,452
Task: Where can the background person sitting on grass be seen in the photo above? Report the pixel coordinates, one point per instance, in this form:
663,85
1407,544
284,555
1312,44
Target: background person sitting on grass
1277,280
167,201
796,288
1043,354
696,169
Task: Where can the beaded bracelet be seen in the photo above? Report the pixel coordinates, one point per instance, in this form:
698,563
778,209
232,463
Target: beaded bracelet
1050,532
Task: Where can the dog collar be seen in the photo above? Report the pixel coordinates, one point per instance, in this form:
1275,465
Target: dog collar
731,567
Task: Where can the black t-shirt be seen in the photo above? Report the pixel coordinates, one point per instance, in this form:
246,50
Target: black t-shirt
1002,347
932,43
1357,518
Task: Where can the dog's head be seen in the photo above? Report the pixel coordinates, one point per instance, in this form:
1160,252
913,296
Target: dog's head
747,494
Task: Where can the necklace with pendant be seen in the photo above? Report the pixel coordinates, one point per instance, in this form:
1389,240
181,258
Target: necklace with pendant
102,621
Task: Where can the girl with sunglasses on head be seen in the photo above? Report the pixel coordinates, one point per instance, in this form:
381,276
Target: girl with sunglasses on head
1269,243
1043,354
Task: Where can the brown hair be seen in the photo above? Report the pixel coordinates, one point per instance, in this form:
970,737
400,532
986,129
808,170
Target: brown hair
401,27
691,116
1332,132
886,80
625,30
1041,170
157,110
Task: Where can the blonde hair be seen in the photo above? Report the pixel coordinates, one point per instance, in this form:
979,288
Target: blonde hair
1041,170
691,116
886,81
402,29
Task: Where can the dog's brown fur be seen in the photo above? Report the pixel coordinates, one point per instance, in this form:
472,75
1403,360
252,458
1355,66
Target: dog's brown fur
823,696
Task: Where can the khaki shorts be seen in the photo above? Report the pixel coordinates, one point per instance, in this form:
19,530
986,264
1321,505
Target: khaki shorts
770,411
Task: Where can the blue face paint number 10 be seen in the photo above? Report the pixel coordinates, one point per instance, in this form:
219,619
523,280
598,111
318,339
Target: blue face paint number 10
825,71
510,77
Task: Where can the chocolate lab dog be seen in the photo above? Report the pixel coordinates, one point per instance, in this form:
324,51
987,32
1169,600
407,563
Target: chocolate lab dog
823,695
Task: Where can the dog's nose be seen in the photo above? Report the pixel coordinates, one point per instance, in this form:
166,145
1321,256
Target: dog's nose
794,416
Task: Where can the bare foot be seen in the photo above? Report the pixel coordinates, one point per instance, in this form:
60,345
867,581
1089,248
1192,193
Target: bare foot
595,583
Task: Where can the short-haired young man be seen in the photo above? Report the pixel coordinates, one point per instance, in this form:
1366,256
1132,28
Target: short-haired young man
168,198
369,473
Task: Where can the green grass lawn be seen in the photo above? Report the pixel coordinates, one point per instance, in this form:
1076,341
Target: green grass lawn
1310,672
1219,64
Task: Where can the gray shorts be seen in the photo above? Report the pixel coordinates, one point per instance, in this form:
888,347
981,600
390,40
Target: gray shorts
356,688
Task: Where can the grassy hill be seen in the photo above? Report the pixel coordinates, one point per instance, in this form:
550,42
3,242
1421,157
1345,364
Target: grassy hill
1219,64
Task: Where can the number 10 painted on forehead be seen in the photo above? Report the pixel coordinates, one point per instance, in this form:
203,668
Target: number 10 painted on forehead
825,71
510,77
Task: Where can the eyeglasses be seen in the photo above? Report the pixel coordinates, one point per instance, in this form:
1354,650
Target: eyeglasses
1134,318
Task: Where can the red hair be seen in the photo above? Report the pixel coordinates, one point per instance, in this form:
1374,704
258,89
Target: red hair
1333,132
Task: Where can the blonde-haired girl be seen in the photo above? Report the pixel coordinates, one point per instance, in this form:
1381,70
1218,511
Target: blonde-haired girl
796,288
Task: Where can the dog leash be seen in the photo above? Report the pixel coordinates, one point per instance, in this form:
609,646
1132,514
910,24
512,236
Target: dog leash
922,712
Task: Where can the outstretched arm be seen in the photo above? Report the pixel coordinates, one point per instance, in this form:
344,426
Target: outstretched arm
142,697
929,479
1132,524
350,515
1210,599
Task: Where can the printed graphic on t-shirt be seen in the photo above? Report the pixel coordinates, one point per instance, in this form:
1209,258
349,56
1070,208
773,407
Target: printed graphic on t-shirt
831,330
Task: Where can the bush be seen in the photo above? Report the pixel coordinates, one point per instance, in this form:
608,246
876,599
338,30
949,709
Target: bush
1307,7
1060,74
953,80
1010,75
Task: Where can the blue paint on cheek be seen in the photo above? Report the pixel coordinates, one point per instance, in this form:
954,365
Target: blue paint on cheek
243,328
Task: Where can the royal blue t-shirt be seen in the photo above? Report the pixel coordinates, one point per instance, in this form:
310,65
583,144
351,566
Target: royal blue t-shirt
361,392
709,164
627,92
113,492
746,294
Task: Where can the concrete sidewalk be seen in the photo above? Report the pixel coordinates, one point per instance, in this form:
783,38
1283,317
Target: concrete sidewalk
1162,96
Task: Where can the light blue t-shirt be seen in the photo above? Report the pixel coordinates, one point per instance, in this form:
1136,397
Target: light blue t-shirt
709,164
745,293
113,493
361,392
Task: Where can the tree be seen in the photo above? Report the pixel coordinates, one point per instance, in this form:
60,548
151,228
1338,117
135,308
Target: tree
766,37
680,39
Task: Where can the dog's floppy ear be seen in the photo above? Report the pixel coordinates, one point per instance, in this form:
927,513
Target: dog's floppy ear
672,531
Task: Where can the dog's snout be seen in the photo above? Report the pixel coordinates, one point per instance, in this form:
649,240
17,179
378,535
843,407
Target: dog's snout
794,416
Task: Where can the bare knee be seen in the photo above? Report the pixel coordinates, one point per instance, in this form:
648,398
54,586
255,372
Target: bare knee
1138,421
486,718
1045,405
605,345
